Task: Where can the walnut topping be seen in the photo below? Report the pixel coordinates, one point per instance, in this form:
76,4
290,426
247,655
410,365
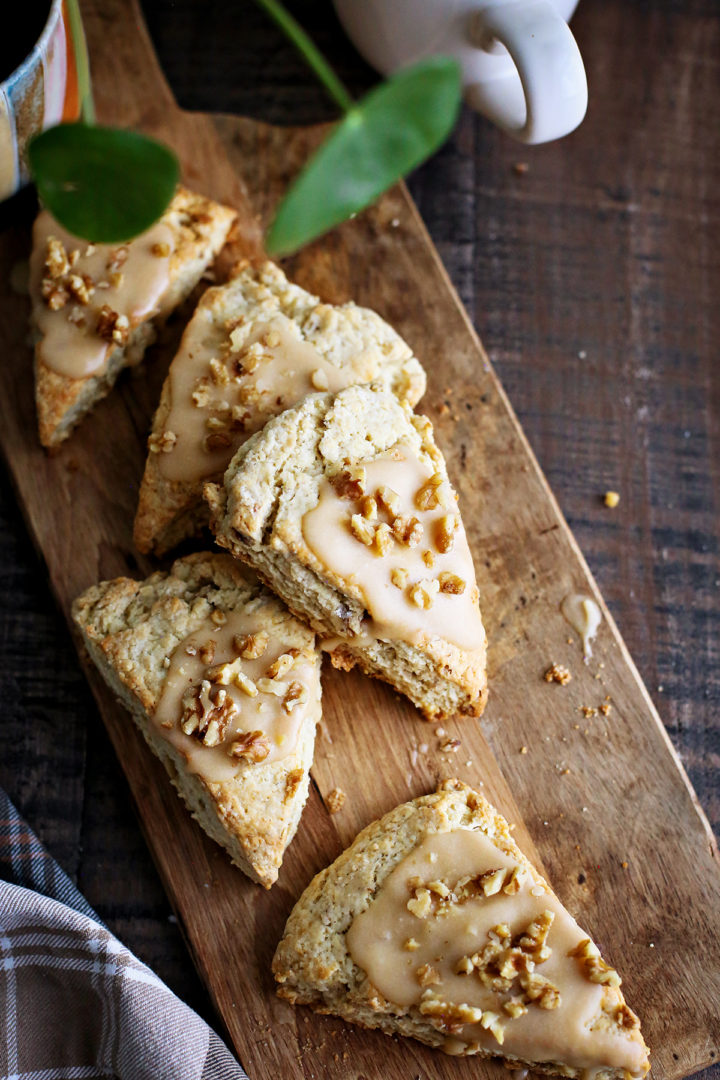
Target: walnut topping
426,497
296,695
410,944
428,558
250,746
111,326
557,673
505,959
218,373
450,746
539,990
399,577
76,316
161,442
56,260
626,1019
273,686
55,296
200,396
514,1007
217,441
282,665
350,483
160,250
251,646
271,339
81,287
218,617
445,532
246,684
319,379
595,968
420,903
207,711
407,530
388,499
383,539
451,583
368,507
206,652
362,530
117,258
335,800
427,975
423,593
447,1015
292,783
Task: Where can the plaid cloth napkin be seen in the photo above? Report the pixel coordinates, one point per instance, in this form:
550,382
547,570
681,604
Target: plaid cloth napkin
74,1003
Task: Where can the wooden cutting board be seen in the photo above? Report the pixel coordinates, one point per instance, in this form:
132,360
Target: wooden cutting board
603,801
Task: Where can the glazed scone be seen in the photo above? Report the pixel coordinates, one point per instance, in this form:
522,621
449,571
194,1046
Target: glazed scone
225,686
253,347
96,307
344,507
434,925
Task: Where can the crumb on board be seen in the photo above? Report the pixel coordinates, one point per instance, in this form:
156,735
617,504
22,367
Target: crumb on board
611,499
558,674
605,708
520,168
335,800
588,711
523,749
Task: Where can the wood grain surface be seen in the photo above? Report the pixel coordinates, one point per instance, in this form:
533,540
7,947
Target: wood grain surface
622,799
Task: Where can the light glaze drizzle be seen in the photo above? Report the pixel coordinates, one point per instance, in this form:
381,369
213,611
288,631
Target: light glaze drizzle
412,958
584,616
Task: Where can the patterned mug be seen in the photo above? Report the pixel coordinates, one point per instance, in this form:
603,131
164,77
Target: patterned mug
41,92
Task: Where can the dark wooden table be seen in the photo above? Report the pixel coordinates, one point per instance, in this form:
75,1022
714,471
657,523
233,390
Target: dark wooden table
593,278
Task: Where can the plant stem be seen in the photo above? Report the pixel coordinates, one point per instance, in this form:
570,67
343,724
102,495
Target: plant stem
312,55
87,105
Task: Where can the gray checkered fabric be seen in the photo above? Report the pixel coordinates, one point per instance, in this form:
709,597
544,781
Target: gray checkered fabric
74,1002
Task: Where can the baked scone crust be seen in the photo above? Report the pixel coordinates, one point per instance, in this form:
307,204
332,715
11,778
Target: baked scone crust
312,964
129,628
200,227
257,514
353,339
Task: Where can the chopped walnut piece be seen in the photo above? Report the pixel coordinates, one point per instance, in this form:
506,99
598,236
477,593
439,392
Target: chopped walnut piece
319,379
292,783
559,674
464,966
81,287
250,746
111,326
55,296
251,646
368,508
420,903
217,441
362,530
423,593
399,577
625,1018
273,686
160,250
161,442
206,652
218,372
410,944
491,1022
335,800
428,558
280,667
514,1007
445,530
446,1015
200,396
350,483
56,260
426,975
246,684
117,258
540,991
388,499
451,583
296,695
272,339
383,539
426,497
407,530
207,710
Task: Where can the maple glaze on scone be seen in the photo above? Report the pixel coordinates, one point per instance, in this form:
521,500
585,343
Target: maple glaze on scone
232,696
79,281
212,414
464,932
401,542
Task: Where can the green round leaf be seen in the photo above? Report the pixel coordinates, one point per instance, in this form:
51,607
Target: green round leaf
102,184
391,131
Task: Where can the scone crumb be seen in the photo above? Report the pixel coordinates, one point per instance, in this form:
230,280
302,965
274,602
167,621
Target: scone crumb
292,783
611,499
335,800
558,674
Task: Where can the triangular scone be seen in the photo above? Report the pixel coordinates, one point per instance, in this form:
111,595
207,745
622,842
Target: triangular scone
224,684
254,347
96,307
434,925
344,507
